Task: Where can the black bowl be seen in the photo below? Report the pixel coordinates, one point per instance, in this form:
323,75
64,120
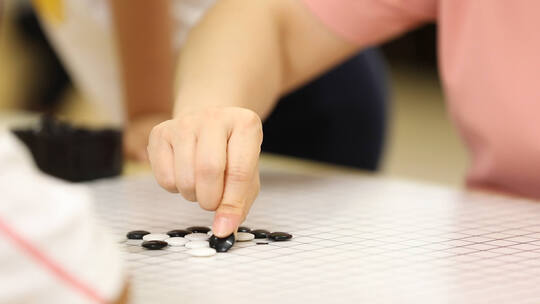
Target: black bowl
74,154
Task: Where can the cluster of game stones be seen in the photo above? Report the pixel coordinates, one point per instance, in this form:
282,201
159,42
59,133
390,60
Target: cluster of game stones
201,241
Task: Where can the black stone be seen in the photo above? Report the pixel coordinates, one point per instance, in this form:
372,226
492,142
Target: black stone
136,234
262,243
279,236
198,229
154,245
260,233
178,233
221,244
244,229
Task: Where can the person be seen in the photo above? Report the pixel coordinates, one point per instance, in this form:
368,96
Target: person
139,42
84,35
230,76
46,235
51,247
45,87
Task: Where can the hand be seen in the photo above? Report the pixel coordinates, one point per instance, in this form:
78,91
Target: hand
211,156
137,133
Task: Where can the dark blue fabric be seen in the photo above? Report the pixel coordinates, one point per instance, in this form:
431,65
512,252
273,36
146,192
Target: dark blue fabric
338,118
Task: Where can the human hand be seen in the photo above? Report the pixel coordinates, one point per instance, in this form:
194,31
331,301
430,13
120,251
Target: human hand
136,135
210,156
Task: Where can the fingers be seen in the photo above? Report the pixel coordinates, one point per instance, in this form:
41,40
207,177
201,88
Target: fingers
210,162
184,163
252,195
241,176
212,157
227,223
161,157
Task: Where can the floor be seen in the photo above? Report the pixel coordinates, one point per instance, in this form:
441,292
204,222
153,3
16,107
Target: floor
423,144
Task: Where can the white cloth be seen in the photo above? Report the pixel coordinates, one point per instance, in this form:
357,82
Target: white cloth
85,41
65,254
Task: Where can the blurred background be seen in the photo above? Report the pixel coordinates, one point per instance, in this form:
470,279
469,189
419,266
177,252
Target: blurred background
422,143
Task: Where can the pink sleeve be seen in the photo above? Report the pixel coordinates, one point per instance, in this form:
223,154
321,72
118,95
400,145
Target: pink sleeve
367,22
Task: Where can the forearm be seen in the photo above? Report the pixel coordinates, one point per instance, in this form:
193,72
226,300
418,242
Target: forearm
247,53
143,31
230,60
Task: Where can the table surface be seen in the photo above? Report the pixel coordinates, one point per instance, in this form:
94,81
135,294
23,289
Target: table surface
357,238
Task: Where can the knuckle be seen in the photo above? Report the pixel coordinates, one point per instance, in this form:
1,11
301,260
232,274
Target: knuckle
182,135
185,183
209,169
167,183
184,123
238,175
175,130
250,119
189,197
209,205
166,133
250,124
156,131
161,131
232,207
187,189
212,113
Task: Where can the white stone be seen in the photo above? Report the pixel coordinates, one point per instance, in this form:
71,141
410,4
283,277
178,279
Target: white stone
197,237
197,244
244,236
155,237
176,241
202,252
134,242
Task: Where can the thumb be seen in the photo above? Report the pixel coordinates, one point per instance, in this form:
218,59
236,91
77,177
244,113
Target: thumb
227,220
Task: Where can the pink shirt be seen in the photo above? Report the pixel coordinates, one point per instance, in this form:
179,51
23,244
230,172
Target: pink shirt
489,57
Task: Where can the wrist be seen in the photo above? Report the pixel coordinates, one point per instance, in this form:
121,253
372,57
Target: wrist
149,115
192,103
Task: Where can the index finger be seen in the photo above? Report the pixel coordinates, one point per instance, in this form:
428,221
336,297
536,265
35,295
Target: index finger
242,161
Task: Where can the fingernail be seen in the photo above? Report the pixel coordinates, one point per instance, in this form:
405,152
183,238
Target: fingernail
224,224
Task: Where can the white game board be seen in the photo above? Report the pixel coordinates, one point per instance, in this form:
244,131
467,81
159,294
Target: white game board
356,240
